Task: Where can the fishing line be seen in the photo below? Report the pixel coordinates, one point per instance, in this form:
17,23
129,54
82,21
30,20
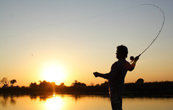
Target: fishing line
163,22
160,30
66,22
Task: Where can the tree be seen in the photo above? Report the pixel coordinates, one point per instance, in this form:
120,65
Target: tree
44,84
78,84
5,82
105,83
140,81
33,85
12,82
62,85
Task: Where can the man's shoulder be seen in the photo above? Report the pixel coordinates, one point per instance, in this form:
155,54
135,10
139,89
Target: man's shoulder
121,62
116,63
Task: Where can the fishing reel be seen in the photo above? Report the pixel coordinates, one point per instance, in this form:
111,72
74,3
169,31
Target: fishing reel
132,58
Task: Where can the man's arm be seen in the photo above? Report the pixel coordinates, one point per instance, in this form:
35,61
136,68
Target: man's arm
105,76
109,75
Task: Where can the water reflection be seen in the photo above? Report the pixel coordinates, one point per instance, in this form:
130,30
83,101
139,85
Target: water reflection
79,102
5,99
54,103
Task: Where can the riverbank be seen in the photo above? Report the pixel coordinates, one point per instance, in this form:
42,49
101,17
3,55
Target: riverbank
154,89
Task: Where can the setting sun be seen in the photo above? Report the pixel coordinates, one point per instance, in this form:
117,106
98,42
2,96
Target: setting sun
54,73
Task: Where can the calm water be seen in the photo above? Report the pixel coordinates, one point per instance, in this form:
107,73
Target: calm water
82,102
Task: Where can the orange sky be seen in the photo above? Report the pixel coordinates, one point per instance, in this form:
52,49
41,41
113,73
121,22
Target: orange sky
80,37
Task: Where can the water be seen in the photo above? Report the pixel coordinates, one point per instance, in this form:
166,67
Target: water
79,102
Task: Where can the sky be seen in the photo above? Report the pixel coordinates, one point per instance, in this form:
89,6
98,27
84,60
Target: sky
68,40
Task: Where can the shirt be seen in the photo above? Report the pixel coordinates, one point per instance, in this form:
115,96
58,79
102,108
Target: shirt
117,74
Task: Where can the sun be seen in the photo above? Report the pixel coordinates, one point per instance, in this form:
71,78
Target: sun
54,73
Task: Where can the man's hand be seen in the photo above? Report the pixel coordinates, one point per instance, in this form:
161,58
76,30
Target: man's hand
137,58
96,74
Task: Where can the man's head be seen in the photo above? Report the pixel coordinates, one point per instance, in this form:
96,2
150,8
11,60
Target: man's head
122,52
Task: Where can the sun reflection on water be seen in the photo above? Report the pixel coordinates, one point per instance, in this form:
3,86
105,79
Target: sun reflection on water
80,102
54,103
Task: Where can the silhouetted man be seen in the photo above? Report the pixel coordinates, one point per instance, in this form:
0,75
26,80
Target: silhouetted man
117,75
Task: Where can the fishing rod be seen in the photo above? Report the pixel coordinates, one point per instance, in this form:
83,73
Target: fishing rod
132,58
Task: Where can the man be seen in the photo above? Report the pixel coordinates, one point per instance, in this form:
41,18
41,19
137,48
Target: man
117,75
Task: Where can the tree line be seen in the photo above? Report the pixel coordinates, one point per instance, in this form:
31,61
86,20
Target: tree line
138,88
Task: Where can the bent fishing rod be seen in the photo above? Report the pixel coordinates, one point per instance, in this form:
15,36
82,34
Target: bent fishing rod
132,58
